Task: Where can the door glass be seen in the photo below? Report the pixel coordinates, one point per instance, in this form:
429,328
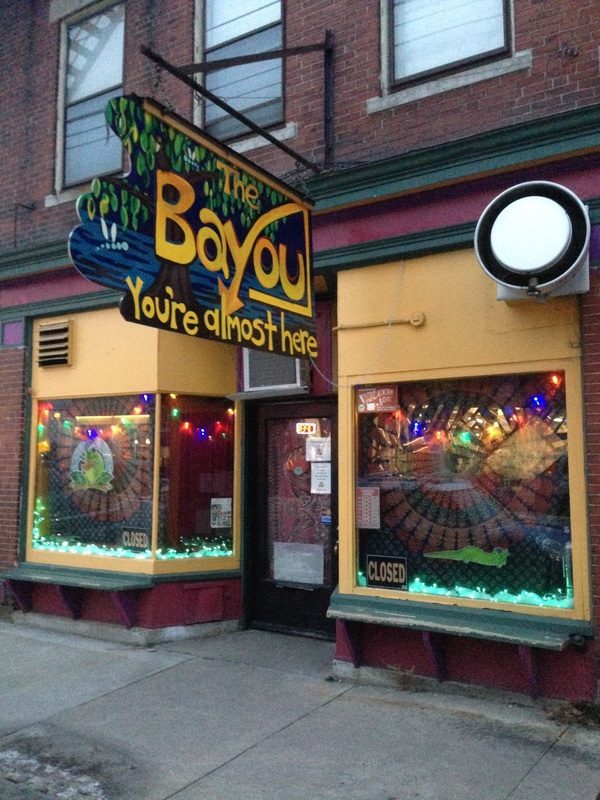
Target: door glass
299,501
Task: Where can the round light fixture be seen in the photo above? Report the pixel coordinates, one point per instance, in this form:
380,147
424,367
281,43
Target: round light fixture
533,237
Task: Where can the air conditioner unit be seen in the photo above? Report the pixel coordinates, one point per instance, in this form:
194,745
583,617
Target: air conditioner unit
264,374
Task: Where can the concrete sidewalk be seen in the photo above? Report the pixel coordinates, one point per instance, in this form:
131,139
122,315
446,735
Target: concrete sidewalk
256,716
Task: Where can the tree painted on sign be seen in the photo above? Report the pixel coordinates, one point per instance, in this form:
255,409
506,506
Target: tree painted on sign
122,205
199,240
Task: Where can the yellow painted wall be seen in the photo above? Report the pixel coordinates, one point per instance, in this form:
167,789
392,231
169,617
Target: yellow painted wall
195,366
112,356
465,326
466,332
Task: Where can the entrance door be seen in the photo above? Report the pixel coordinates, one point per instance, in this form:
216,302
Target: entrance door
292,506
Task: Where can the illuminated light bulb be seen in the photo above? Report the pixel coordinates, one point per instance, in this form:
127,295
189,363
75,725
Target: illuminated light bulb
173,396
174,413
231,412
555,380
137,410
147,441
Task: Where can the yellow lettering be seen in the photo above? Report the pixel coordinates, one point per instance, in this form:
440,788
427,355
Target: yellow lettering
190,323
136,290
228,172
211,320
218,263
295,291
252,195
269,279
169,213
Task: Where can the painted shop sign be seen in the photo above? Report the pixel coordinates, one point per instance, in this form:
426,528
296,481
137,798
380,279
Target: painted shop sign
201,241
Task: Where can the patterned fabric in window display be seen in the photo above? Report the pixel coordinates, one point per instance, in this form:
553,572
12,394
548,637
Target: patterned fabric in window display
94,474
473,482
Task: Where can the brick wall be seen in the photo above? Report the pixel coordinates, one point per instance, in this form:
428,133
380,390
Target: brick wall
12,371
590,306
564,75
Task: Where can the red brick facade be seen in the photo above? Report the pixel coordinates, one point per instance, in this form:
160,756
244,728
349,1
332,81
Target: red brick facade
560,36
558,72
12,385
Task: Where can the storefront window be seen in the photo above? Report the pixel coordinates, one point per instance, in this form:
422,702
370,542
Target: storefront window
94,476
463,489
196,478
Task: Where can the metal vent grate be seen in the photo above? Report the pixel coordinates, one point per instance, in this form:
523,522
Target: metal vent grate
54,344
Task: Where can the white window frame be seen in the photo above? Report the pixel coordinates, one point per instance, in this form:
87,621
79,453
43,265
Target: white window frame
242,142
397,94
456,64
61,9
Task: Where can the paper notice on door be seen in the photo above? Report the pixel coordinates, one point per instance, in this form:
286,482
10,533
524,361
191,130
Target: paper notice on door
320,478
368,513
220,512
294,562
318,448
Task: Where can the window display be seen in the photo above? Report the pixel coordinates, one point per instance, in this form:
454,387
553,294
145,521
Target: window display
463,489
94,485
196,477
94,476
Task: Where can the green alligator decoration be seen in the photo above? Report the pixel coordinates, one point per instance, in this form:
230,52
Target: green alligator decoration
474,555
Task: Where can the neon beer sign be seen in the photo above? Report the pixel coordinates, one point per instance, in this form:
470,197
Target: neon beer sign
200,241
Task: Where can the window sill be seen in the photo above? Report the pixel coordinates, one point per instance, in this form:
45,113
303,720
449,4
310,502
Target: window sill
546,633
65,196
519,61
287,131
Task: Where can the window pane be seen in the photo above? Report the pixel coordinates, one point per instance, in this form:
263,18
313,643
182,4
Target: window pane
94,476
463,490
196,478
254,89
429,35
94,75
95,57
226,21
91,148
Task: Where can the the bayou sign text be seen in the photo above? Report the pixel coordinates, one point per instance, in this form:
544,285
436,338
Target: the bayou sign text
200,241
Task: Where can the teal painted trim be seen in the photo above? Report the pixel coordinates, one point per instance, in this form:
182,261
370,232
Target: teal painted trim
200,577
83,578
27,420
103,579
23,263
558,137
379,251
412,245
551,633
62,305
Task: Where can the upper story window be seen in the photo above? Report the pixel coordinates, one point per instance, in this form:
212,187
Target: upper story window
256,88
430,37
94,74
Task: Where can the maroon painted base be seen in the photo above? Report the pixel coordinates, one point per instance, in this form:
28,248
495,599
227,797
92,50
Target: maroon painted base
164,605
568,675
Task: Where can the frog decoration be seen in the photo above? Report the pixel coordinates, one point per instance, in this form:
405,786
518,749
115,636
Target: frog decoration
92,465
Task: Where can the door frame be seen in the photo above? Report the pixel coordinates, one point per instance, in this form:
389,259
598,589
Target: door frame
256,415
